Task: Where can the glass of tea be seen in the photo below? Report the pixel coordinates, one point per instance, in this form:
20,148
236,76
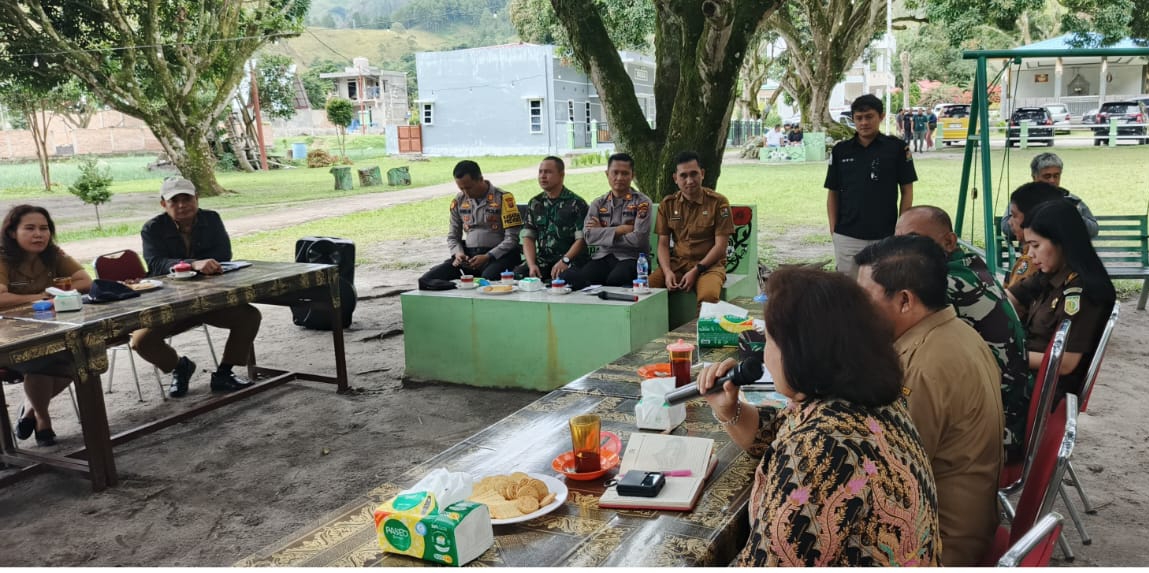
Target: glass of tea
585,430
63,283
680,357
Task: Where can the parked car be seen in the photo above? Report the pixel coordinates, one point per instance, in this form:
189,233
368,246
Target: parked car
1089,117
1131,118
954,120
1061,117
846,118
1040,126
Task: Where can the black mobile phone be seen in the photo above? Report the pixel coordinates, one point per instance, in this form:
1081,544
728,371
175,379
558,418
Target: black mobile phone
640,483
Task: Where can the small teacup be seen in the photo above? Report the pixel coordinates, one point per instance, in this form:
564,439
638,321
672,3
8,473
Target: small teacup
467,281
558,284
508,278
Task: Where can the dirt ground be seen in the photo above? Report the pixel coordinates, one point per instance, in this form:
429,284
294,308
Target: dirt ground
224,485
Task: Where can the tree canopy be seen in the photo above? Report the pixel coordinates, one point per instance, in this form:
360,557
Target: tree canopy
1094,22
173,64
699,48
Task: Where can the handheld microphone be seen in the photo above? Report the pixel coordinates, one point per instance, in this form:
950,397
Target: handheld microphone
607,295
746,372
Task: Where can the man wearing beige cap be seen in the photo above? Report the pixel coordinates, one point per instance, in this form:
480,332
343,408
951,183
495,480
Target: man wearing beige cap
186,233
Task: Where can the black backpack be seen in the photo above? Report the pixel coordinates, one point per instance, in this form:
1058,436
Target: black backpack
310,314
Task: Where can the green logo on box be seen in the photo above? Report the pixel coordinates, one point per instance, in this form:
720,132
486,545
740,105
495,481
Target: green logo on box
397,534
408,500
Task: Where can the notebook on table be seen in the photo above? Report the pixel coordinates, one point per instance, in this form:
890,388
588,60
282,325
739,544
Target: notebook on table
234,265
664,453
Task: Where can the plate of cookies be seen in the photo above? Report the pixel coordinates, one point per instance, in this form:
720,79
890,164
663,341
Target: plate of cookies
518,497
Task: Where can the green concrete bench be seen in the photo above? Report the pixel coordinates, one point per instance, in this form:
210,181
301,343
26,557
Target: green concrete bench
1122,242
534,340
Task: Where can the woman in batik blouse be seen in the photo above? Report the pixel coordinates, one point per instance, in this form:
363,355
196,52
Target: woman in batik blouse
843,479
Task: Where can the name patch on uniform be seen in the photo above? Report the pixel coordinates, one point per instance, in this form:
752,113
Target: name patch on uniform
1072,304
511,216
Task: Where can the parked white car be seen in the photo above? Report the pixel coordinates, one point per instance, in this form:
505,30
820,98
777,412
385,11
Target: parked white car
1060,115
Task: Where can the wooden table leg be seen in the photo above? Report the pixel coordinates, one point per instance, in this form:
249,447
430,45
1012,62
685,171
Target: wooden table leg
97,436
337,330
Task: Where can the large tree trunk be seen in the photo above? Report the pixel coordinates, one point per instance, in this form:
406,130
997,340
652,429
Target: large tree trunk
823,39
190,152
699,51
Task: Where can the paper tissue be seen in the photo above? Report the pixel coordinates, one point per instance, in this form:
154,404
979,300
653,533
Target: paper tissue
652,412
430,521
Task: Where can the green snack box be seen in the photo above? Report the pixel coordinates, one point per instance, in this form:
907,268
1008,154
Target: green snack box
413,524
714,332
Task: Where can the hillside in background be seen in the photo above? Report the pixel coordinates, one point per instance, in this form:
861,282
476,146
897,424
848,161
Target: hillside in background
381,47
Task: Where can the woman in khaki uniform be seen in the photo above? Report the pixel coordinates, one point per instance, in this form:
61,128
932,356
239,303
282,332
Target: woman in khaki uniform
1072,284
1022,202
29,263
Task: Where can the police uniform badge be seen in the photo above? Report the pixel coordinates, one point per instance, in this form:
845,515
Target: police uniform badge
511,215
643,209
454,203
1072,304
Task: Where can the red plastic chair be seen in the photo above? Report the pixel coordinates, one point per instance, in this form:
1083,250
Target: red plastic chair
1086,392
1044,387
126,265
1044,478
1035,548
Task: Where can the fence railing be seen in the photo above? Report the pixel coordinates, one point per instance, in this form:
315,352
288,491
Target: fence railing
741,131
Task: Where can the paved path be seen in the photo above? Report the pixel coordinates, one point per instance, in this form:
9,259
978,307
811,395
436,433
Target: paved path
288,216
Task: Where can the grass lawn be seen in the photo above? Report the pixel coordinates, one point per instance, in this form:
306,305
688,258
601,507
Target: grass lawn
20,180
789,198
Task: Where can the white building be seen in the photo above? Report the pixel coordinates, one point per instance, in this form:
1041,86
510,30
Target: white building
1081,84
380,96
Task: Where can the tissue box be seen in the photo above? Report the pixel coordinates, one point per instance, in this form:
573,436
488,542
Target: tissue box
413,524
652,412
722,330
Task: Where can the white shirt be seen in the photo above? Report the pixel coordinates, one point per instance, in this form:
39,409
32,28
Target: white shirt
774,138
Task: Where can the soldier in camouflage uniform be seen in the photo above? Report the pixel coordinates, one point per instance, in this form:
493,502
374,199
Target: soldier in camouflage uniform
552,226
484,232
979,300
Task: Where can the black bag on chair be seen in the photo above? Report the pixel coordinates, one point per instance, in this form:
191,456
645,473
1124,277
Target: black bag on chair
330,251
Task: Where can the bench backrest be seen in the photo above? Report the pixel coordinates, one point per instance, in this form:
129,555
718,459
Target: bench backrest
1121,241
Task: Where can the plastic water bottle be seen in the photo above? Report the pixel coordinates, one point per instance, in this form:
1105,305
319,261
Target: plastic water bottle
643,269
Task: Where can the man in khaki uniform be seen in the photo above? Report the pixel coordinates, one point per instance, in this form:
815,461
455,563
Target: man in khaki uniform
698,219
951,384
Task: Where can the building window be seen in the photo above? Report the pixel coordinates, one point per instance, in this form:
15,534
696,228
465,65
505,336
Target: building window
570,111
588,119
536,108
641,74
428,114
352,91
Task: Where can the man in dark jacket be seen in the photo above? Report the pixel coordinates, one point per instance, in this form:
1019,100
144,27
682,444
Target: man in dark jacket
186,233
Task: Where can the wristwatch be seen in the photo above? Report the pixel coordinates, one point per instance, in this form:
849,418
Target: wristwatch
566,260
702,268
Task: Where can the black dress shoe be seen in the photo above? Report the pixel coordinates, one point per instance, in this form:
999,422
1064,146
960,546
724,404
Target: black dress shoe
180,377
45,437
228,382
24,425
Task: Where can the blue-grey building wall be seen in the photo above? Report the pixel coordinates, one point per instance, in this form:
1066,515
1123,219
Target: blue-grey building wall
480,100
481,97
